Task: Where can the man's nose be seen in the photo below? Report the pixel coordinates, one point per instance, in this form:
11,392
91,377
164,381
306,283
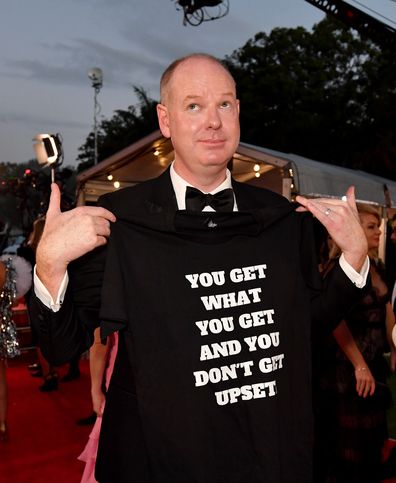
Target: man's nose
214,119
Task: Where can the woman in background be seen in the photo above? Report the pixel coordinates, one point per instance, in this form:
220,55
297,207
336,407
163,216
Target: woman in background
101,363
358,380
15,281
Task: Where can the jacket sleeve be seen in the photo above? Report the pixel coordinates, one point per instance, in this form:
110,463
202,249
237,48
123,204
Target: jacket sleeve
67,333
331,298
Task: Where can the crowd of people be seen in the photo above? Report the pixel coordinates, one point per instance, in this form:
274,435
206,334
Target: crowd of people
220,349
353,365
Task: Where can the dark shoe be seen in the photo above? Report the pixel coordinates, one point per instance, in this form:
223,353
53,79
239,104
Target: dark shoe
50,384
70,376
37,373
89,421
34,367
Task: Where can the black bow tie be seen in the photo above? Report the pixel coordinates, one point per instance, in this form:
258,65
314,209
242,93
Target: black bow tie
221,201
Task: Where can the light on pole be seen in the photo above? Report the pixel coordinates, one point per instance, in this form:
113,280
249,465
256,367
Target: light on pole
96,76
49,151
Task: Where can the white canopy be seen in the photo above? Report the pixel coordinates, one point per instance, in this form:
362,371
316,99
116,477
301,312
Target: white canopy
281,172
314,178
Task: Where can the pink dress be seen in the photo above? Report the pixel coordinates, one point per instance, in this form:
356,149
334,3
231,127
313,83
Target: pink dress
89,453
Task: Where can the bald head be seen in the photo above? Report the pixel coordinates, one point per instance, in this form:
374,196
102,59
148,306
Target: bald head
200,113
168,74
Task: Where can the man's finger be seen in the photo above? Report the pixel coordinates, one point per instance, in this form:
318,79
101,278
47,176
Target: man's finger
54,202
100,241
97,212
331,202
102,226
319,209
351,199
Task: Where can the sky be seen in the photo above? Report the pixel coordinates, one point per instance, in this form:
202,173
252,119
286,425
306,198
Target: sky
48,47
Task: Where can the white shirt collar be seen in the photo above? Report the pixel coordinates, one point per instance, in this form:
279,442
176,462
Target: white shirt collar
180,185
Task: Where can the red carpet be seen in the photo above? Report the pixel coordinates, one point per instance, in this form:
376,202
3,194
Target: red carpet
44,438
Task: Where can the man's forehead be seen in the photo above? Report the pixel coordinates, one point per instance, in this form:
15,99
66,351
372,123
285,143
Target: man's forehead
197,76
199,85
220,93
201,68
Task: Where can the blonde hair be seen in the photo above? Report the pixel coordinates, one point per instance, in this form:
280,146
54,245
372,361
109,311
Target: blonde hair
364,209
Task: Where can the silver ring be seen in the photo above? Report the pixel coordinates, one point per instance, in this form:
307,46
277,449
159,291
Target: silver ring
327,212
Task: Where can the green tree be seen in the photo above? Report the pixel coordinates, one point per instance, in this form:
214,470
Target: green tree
326,94
124,128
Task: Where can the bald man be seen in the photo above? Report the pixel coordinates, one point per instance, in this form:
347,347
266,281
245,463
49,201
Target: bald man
212,286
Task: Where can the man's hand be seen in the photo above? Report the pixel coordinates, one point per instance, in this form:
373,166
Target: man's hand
67,236
341,220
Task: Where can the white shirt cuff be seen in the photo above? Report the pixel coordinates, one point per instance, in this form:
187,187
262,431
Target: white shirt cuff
393,295
359,279
45,297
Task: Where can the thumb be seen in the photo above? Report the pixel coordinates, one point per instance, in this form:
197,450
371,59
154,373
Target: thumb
54,202
351,200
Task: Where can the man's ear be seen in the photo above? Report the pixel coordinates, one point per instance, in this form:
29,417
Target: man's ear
163,120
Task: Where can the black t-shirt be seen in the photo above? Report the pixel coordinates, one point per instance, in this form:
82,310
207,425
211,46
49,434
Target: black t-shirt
214,315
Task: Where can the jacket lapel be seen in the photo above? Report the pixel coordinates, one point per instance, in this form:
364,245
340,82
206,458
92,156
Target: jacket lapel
162,198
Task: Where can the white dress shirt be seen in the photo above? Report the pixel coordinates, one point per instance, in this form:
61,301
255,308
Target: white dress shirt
179,186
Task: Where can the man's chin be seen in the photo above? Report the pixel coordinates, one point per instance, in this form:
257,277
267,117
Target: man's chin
213,158
215,163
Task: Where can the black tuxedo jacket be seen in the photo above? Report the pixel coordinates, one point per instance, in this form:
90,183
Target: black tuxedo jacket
162,429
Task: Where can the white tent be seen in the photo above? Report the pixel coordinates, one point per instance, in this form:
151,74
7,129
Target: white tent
314,178
288,174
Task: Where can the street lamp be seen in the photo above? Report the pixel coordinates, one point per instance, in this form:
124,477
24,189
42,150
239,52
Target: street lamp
96,76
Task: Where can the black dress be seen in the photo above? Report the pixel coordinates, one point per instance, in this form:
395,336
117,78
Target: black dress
356,427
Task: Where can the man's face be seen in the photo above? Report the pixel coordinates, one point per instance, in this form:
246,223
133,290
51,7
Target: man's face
393,234
201,116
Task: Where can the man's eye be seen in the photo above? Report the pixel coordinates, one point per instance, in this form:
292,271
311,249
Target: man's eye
193,106
225,104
